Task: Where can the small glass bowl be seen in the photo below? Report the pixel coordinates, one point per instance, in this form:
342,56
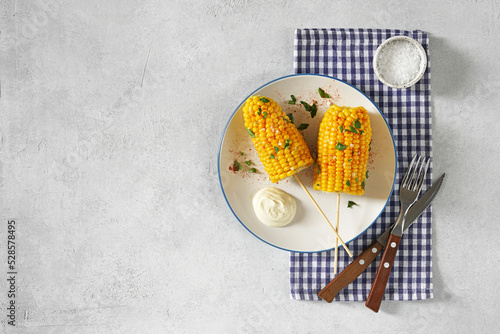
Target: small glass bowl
422,66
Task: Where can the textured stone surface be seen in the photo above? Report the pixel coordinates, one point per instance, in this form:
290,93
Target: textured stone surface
111,117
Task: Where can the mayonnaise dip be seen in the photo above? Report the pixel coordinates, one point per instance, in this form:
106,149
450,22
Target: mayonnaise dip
274,207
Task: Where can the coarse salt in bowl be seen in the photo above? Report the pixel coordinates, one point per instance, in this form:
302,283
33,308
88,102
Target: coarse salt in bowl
400,62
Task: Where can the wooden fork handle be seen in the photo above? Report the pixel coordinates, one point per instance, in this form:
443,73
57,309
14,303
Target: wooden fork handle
351,272
383,272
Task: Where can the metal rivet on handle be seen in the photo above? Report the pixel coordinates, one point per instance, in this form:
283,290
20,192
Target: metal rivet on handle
374,250
393,244
386,265
361,262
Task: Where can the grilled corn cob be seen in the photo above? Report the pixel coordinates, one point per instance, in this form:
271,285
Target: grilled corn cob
281,148
343,147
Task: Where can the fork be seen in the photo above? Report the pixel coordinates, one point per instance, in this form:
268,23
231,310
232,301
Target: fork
408,193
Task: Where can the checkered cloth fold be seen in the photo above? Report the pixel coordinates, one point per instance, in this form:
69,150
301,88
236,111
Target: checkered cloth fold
347,54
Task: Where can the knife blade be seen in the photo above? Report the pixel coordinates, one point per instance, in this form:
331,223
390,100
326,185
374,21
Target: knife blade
359,265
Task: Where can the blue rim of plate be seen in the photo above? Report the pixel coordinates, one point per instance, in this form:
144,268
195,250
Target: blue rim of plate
299,75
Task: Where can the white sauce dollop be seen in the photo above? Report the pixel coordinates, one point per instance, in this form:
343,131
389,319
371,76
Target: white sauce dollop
274,207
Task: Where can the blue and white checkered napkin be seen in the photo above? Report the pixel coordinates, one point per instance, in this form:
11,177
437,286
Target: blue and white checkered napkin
347,54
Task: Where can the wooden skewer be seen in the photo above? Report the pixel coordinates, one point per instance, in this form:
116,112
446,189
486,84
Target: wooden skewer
337,240
323,214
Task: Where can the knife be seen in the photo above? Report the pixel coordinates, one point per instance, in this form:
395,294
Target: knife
359,265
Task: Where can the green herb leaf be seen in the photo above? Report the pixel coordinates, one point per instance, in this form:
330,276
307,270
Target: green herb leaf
348,183
317,167
350,204
241,153
252,170
323,94
290,115
286,120
236,166
357,124
249,162
265,115
259,112
251,133
272,156
363,184
366,174
352,129
306,105
349,160
361,132
340,146
263,99
303,126
292,101
276,149
341,128
314,109
287,144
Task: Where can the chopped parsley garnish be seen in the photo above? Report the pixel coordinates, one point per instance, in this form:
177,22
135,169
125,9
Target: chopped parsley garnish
349,160
251,133
272,156
348,183
290,115
317,167
306,105
276,149
366,174
252,170
264,116
361,132
286,120
241,153
259,112
236,166
340,146
350,204
341,128
352,129
311,108
323,94
263,99
303,126
287,143
357,124
314,109
249,162
292,101
363,184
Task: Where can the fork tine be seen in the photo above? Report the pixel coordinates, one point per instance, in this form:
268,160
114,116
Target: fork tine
407,173
411,173
424,173
417,172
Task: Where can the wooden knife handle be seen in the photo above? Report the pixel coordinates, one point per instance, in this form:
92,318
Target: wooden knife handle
351,272
383,272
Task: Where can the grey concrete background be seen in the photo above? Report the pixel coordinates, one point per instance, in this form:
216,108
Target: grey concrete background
111,116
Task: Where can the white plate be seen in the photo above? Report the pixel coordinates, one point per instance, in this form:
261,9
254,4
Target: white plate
308,232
